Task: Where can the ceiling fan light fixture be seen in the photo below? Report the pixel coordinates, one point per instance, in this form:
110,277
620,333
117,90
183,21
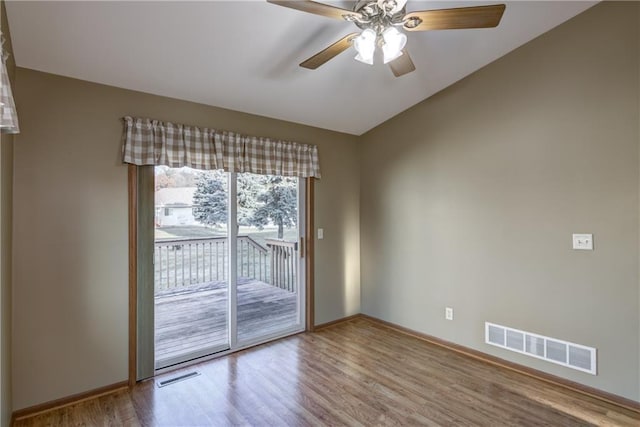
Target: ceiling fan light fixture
394,42
365,45
378,19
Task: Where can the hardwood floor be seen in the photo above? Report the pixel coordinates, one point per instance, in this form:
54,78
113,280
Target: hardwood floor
194,318
356,373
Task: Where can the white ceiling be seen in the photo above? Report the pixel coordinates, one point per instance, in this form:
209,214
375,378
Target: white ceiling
243,55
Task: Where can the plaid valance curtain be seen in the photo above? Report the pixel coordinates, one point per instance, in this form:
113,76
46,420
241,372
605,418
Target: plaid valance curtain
8,114
152,142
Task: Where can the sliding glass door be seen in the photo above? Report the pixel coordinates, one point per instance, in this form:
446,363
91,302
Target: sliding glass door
191,272
269,297
227,261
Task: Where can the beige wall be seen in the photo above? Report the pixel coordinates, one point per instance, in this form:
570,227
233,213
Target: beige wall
70,227
6,178
469,200
6,184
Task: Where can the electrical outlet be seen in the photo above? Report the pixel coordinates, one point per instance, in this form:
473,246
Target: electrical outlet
448,313
583,242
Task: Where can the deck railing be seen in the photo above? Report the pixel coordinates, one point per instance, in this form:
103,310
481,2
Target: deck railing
179,263
283,264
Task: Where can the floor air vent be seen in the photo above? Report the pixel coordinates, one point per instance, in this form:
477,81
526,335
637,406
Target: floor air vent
178,378
552,350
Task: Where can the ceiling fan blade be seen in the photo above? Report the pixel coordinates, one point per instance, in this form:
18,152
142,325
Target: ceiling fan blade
453,19
319,9
326,54
402,65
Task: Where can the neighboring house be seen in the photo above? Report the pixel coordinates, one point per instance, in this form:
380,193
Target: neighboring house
174,206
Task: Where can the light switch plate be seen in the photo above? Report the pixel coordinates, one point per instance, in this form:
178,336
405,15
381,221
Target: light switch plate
448,313
320,233
583,242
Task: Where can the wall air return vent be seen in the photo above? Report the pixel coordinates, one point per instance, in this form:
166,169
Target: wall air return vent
495,335
552,350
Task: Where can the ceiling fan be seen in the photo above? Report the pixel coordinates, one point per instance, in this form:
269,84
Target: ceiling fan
379,21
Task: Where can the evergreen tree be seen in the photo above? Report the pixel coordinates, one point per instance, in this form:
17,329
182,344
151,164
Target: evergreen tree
262,199
277,203
210,199
248,190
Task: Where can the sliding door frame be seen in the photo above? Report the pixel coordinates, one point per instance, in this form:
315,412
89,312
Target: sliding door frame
309,255
141,286
139,189
232,282
132,187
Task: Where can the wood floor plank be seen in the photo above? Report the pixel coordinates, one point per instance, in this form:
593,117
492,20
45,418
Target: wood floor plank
356,373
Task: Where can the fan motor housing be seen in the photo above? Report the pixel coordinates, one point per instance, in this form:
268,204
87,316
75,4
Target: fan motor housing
376,17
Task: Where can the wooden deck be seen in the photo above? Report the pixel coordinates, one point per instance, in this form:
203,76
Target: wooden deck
195,318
